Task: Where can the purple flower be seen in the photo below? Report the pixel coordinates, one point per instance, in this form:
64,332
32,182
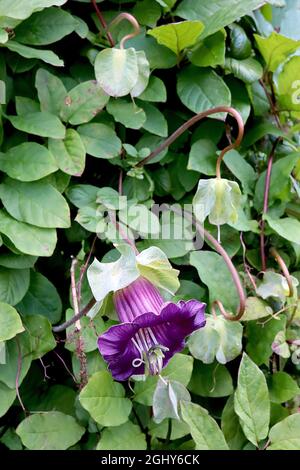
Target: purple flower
151,331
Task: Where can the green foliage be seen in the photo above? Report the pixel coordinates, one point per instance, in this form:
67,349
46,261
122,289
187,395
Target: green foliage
79,110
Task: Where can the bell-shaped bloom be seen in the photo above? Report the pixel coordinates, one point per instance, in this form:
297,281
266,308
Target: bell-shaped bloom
151,330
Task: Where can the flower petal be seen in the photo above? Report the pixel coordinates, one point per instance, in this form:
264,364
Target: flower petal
118,350
170,327
175,322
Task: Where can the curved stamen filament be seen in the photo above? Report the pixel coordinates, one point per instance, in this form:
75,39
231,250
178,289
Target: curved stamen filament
151,353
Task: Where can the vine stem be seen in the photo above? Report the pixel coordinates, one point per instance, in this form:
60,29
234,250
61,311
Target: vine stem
82,313
219,109
74,291
284,270
103,22
235,276
266,204
271,103
126,16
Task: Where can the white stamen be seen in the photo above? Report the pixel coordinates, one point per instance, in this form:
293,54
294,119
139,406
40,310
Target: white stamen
150,351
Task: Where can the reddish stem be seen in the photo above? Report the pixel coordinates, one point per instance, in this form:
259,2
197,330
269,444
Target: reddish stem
266,204
132,20
193,120
120,184
103,23
230,265
284,270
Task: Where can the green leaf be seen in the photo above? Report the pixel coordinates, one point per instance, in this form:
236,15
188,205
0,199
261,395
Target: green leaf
88,335
143,74
45,27
128,436
240,45
40,334
217,198
217,278
41,299
82,195
155,123
231,427
14,284
35,203
18,351
21,235
259,130
166,400
211,51
248,70
42,124
255,309
179,369
28,162
147,12
20,10
285,434
52,430
280,181
11,440
26,105
10,260
127,113
155,91
220,339
51,91
100,140
275,285
239,97
288,85
241,169
179,429
275,49
69,153
117,70
282,387
261,335
139,218
194,89
3,37
203,157
287,227
7,397
10,322
177,36
30,53
251,401
105,400
159,57
83,103
211,380
215,14
204,429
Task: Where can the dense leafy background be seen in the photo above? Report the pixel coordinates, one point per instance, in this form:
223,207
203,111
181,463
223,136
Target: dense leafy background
65,136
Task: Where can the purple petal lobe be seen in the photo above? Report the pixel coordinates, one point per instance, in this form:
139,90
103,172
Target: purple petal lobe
126,346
